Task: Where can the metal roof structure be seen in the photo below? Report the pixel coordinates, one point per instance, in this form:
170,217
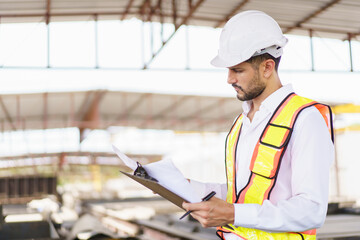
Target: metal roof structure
324,18
103,109
334,18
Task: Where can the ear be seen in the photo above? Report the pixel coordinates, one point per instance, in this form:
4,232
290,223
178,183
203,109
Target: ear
268,67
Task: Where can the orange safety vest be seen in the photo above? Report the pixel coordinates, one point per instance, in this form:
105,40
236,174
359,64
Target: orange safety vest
265,164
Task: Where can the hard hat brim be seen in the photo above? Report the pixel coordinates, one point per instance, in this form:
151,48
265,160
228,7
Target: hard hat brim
218,62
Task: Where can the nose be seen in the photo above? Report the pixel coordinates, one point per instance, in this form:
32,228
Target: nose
231,77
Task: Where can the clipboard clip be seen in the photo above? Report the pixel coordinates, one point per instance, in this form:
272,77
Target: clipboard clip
141,172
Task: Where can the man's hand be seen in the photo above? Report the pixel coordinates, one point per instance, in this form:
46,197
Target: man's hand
212,213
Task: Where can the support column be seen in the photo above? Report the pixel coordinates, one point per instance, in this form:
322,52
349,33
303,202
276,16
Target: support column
312,50
48,43
350,53
47,20
187,43
96,41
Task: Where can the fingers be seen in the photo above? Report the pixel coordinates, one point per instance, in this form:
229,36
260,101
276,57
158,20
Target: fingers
214,212
195,206
199,211
203,218
200,215
185,205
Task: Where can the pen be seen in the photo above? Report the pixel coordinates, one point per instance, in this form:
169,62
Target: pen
207,198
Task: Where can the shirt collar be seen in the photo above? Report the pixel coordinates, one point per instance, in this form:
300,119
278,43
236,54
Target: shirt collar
272,101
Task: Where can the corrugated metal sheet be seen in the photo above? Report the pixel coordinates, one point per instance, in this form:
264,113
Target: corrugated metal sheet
335,18
102,109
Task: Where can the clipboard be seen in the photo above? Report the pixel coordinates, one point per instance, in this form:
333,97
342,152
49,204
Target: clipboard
144,179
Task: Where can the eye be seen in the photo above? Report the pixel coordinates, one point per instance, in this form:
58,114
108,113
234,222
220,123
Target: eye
237,70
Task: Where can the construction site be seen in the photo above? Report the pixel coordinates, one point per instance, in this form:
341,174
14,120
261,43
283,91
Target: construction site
79,77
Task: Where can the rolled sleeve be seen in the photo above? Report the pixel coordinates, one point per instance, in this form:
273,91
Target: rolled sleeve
246,215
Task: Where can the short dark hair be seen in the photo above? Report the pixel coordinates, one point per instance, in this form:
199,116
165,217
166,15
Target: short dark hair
256,60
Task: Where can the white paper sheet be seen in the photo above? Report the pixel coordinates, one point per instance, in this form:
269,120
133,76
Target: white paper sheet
128,161
167,174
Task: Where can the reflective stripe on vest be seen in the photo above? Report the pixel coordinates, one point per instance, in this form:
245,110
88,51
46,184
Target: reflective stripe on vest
265,163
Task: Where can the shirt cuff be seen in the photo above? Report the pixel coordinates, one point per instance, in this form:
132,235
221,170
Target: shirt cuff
246,215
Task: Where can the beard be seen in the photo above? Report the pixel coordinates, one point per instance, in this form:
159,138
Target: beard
257,87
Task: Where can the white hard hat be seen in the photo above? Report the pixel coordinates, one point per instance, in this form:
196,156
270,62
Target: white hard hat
248,34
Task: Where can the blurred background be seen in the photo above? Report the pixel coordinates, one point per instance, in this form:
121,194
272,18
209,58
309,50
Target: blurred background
79,76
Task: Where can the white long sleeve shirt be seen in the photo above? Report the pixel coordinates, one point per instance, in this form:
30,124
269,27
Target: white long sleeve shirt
298,201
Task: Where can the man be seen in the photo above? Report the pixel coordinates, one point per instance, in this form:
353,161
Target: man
278,151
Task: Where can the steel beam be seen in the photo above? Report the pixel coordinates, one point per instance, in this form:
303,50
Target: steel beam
48,9
201,122
148,119
236,9
217,120
45,110
143,8
172,107
7,115
47,21
129,5
184,21
219,104
175,106
161,14
205,109
174,11
131,108
312,15
190,3
91,115
154,9
84,106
